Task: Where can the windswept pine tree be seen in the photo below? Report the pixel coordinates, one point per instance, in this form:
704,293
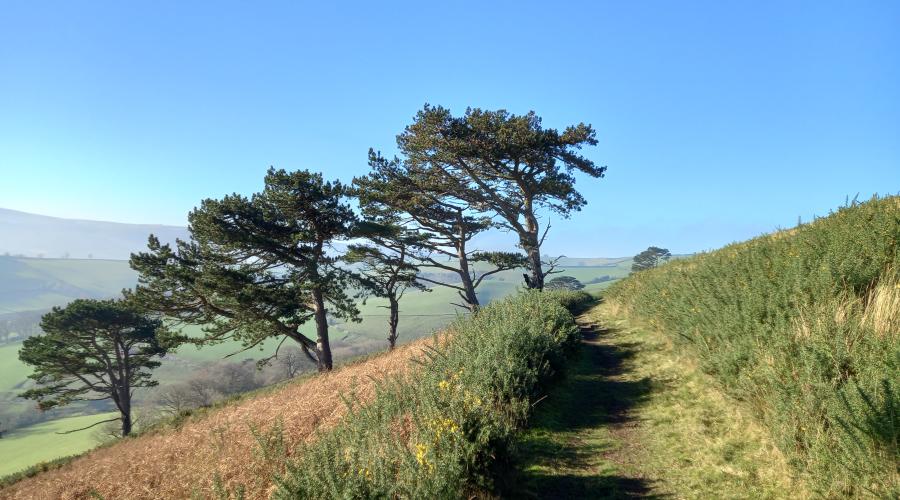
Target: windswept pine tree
446,223
93,350
564,283
505,165
650,258
387,262
258,268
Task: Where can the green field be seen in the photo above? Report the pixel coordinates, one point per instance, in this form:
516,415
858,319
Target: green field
12,371
30,284
13,374
38,443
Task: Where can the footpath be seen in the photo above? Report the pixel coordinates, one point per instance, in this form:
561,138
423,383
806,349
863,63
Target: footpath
634,418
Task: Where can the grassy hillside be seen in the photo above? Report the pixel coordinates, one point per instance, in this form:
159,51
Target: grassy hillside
48,282
186,456
465,403
13,375
803,326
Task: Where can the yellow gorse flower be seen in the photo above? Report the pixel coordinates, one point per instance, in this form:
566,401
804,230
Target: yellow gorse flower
443,426
471,400
422,458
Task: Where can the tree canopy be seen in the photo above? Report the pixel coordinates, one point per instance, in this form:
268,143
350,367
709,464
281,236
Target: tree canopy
445,223
564,283
258,268
387,261
93,350
650,258
507,166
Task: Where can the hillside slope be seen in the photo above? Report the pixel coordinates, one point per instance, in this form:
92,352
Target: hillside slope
803,327
219,445
431,419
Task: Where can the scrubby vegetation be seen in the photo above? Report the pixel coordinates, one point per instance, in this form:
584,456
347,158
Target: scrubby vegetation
803,326
440,431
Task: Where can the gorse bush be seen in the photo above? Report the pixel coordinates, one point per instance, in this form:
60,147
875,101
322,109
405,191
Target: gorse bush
803,325
438,432
576,301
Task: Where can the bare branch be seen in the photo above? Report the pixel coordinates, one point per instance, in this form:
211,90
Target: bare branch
546,229
448,285
92,425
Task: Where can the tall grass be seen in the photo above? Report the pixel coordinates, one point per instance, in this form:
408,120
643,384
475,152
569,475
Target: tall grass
804,326
440,431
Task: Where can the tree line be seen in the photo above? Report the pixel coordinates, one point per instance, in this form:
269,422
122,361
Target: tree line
306,249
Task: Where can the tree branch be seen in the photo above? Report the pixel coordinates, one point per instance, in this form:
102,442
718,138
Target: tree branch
448,285
92,425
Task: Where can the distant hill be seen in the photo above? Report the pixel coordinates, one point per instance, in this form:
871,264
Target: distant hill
30,235
32,284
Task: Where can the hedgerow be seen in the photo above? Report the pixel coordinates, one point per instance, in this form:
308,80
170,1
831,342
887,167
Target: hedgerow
804,326
440,431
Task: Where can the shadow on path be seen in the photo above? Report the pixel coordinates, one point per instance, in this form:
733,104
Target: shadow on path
570,447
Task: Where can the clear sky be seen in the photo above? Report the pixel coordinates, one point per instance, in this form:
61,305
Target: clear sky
718,120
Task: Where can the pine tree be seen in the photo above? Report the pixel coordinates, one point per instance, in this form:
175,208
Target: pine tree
504,164
564,283
650,258
387,262
94,350
445,224
258,268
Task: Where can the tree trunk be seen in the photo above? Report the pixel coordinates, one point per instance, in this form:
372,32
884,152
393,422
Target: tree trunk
536,281
530,242
126,424
124,404
323,347
393,321
469,296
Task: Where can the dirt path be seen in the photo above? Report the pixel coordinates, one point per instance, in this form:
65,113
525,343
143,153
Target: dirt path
635,419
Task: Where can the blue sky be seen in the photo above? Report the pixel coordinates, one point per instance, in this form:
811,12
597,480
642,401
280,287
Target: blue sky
718,120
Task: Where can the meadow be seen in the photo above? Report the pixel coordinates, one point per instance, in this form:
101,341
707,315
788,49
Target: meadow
25,447
460,397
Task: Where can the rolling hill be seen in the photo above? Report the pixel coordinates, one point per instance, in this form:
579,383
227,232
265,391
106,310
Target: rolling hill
31,235
28,284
